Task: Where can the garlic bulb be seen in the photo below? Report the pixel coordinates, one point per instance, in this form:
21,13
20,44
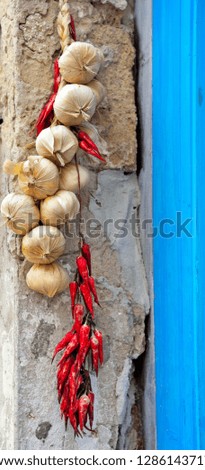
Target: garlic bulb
80,62
74,104
98,89
50,279
43,245
58,209
37,176
69,177
58,144
20,213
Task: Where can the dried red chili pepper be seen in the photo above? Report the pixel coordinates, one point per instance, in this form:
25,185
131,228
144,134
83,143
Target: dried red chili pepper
84,344
84,335
72,28
94,345
65,401
72,384
73,287
79,381
99,336
82,268
74,343
73,421
87,255
46,114
91,396
84,136
57,77
63,406
62,375
91,282
84,146
84,402
63,343
78,313
85,290
81,356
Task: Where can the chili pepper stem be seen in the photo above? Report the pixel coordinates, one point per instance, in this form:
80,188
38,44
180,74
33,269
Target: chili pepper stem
80,201
89,429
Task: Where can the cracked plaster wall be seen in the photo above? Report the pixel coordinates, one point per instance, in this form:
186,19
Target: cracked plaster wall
30,323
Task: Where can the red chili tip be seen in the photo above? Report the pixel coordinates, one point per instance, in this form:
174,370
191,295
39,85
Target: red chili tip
88,429
57,77
72,28
82,268
46,114
85,291
73,287
87,255
96,154
84,146
82,135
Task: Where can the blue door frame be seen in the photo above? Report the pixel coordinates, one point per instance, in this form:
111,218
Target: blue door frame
179,195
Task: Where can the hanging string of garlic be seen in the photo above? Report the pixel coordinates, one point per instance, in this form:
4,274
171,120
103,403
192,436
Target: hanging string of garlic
63,24
49,180
46,200
74,105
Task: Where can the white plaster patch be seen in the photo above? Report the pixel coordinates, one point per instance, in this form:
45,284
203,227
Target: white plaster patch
120,4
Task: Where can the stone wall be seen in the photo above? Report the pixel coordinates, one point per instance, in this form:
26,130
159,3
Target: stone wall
31,325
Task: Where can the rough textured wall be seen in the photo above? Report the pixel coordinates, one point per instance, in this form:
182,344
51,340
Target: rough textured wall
32,324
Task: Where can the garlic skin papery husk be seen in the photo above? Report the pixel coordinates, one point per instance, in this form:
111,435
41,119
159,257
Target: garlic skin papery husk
74,104
69,177
80,62
59,209
58,144
50,279
37,176
98,89
43,245
20,213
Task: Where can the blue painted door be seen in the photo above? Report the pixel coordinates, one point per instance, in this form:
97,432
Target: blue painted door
179,216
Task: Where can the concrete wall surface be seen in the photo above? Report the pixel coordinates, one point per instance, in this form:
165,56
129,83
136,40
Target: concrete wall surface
30,324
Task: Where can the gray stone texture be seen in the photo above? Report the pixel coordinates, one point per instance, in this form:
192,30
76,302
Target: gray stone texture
31,324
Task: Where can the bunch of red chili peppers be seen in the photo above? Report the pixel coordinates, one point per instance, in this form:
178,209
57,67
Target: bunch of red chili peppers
75,393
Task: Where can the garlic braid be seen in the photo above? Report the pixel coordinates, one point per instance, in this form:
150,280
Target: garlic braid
63,29
63,22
